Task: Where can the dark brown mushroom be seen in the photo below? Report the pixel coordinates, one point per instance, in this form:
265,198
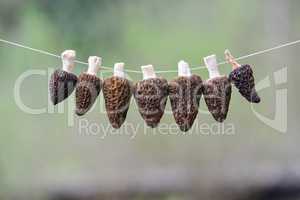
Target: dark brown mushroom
88,87
62,81
185,94
117,92
243,79
151,96
216,90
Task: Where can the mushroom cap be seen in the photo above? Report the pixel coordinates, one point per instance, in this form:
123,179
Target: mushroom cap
217,95
151,97
117,93
87,91
61,85
185,94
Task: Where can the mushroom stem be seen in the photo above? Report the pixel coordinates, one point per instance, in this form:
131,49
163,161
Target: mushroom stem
94,65
119,70
68,60
230,59
148,72
184,69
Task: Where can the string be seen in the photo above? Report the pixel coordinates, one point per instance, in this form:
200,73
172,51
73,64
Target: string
162,71
255,53
42,51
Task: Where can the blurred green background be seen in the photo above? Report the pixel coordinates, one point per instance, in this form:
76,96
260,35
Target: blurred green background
43,157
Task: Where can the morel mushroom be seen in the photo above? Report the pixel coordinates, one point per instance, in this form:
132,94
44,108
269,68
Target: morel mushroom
185,93
243,79
216,90
88,87
151,96
62,81
117,92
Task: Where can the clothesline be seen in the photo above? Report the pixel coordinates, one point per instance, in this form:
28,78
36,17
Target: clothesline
162,71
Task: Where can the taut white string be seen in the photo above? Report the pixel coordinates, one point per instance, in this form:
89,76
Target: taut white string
41,51
255,53
166,71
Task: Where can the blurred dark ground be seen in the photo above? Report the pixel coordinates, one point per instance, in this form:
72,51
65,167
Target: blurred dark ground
42,158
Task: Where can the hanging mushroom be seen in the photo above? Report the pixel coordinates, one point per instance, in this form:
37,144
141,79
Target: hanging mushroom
117,92
216,90
62,81
243,79
185,93
88,87
151,96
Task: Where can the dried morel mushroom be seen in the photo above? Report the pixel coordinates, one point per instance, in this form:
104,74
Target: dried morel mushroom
62,81
243,79
216,90
117,92
88,87
185,93
151,96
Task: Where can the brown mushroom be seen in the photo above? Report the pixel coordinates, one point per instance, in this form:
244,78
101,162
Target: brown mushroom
243,79
117,92
62,81
216,90
185,93
88,87
151,96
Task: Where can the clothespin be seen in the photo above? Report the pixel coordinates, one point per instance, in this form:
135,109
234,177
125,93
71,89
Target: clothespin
184,69
230,59
212,66
119,70
94,65
148,72
68,60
